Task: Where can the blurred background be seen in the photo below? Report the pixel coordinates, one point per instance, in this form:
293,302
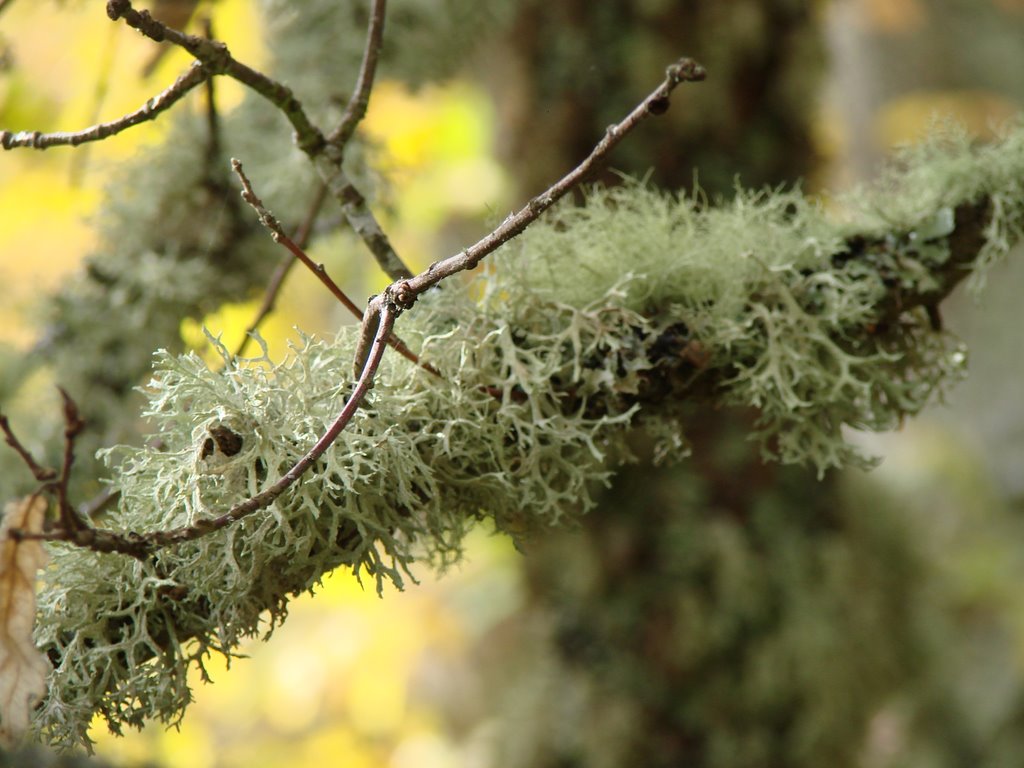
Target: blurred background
717,613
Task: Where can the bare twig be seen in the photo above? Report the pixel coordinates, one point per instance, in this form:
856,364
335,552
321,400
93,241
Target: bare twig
73,426
195,75
283,268
39,472
212,118
406,291
326,157
355,110
268,220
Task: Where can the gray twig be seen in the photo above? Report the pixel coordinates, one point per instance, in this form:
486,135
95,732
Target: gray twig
406,291
326,157
355,110
195,75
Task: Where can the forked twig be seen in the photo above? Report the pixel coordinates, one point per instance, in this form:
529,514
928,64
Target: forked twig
327,157
268,220
53,481
39,472
379,319
355,111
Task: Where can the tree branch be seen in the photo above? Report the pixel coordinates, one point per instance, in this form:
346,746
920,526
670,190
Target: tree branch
195,75
39,472
73,426
282,269
355,110
326,157
406,291
268,220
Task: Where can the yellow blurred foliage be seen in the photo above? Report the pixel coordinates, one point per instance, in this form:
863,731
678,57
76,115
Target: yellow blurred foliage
332,686
72,68
894,16
906,119
437,148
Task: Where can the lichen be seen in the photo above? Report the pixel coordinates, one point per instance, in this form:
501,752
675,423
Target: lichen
602,319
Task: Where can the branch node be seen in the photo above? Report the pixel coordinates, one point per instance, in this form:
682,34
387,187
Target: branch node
686,70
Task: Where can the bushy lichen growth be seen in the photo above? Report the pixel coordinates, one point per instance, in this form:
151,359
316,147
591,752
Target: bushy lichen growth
619,314
917,192
421,461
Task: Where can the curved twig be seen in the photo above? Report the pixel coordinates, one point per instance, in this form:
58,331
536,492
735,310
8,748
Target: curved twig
355,110
406,291
195,75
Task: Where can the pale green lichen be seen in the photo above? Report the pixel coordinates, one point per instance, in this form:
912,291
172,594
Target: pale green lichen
617,315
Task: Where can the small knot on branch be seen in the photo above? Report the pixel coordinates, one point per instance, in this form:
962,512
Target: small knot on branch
401,295
686,70
117,8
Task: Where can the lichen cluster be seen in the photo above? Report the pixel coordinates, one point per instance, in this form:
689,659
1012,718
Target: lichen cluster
619,315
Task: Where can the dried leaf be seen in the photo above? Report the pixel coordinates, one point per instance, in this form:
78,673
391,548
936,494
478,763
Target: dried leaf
23,668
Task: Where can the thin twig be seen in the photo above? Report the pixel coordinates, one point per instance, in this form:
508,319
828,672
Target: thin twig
73,426
355,110
326,157
195,75
39,472
268,220
212,118
406,291
282,269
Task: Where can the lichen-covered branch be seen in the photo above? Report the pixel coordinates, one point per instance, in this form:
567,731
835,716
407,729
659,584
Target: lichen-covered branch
765,302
